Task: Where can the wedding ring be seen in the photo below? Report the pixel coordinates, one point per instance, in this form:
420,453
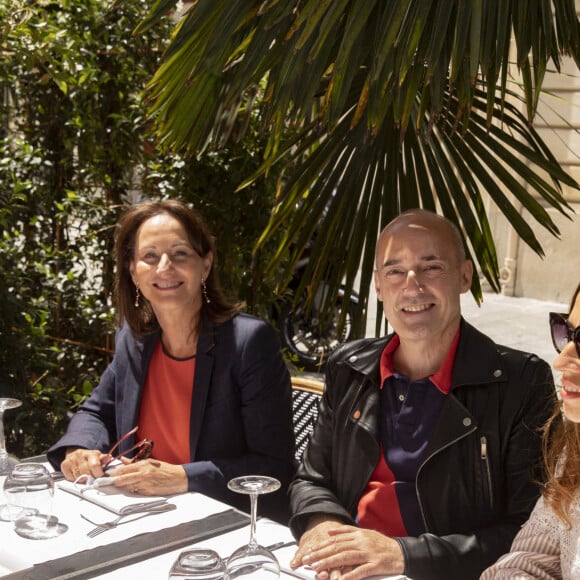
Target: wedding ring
134,490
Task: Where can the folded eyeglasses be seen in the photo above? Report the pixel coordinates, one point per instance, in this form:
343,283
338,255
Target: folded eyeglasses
142,451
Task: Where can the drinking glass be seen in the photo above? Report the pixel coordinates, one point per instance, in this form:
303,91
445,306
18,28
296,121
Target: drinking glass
37,487
253,560
6,462
199,563
14,508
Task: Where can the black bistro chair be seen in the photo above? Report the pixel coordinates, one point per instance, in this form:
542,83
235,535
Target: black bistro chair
306,395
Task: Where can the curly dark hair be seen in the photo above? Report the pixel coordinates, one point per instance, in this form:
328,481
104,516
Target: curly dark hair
142,320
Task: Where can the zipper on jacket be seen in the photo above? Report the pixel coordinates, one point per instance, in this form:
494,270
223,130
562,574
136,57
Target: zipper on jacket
487,470
435,452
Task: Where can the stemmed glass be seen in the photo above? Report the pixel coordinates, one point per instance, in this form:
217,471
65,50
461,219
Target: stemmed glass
6,462
253,560
37,485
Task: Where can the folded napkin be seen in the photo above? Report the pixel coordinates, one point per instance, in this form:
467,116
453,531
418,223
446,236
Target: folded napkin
111,498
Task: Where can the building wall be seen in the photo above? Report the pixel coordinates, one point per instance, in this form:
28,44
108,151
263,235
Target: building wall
553,277
524,273
556,275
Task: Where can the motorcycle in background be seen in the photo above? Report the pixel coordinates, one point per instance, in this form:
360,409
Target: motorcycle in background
308,339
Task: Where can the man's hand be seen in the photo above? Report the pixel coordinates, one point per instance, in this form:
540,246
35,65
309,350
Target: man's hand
316,534
348,552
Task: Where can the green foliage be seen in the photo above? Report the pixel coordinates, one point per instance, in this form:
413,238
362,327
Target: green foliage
396,104
73,150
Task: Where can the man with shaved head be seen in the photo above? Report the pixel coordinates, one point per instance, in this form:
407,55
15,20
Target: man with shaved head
424,458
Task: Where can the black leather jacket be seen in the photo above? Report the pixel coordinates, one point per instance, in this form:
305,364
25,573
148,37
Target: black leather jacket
476,486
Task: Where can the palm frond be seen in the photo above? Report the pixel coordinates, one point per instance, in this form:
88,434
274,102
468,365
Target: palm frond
393,104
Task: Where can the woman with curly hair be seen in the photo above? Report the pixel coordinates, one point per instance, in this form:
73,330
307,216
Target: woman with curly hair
547,546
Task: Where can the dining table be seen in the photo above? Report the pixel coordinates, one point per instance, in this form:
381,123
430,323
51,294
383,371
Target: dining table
142,544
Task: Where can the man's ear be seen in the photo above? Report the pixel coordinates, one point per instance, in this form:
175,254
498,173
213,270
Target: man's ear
377,285
466,275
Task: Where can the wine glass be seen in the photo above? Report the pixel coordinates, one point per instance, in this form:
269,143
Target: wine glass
199,563
253,560
37,485
6,462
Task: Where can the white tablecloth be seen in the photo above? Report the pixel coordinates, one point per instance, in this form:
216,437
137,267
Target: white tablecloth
18,553
268,532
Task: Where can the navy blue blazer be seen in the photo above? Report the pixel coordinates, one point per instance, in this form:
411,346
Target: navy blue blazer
241,410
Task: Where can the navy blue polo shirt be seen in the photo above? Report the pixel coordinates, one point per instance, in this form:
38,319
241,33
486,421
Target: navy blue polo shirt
409,412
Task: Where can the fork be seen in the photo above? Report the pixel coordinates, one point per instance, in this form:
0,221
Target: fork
105,526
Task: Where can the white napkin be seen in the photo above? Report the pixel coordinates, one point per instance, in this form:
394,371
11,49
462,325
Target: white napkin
114,499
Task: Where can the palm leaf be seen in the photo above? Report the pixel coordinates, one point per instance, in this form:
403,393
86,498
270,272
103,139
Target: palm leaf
393,104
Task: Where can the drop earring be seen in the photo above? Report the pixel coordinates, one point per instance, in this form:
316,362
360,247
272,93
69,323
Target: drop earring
137,295
204,291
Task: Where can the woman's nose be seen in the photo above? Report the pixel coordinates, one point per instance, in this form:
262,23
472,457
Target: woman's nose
164,262
569,351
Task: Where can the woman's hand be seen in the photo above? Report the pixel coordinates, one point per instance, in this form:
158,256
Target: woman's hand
80,461
150,477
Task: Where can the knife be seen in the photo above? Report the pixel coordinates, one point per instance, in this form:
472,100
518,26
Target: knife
280,545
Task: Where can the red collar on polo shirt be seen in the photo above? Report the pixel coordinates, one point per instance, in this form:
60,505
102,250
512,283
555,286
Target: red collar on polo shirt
441,379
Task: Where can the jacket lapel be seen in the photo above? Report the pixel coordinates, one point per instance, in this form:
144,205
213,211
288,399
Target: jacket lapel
477,362
134,382
203,372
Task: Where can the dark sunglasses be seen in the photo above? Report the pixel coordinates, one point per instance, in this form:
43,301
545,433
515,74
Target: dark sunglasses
143,450
563,333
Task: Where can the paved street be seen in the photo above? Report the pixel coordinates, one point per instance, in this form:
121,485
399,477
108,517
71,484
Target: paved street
518,322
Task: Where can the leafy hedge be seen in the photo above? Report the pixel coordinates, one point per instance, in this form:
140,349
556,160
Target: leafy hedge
74,149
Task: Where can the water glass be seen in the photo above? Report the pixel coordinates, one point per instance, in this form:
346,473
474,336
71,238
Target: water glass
199,563
36,487
7,462
13,507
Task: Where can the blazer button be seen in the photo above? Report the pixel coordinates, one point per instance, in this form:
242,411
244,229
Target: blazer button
353,358
497,373
466,422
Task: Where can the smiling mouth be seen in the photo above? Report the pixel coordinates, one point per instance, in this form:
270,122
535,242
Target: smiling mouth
417,307
167,285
